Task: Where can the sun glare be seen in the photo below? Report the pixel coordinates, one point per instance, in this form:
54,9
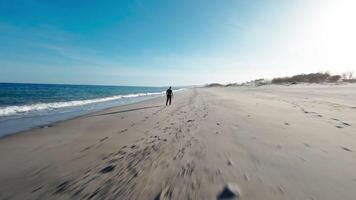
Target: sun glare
330,36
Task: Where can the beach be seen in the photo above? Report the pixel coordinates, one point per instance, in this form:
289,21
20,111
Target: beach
273,142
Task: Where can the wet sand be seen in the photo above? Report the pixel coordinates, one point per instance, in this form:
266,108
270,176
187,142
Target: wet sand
273,142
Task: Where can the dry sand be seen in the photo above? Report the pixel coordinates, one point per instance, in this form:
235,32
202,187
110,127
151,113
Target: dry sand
274,142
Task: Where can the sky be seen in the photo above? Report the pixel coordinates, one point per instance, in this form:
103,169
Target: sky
166,42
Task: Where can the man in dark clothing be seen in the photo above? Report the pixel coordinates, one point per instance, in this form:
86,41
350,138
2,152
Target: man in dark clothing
169,94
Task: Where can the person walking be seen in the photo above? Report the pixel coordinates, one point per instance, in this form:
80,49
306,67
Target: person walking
169,94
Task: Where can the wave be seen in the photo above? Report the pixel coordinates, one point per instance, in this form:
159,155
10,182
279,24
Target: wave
14,110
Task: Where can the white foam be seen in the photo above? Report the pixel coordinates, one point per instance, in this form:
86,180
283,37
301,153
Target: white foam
15,110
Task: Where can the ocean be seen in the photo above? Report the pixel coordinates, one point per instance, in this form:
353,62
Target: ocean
24,106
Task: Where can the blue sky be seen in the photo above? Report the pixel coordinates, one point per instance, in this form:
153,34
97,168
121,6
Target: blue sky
165,42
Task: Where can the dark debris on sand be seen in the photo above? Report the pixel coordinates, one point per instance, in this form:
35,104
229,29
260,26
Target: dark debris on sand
107,169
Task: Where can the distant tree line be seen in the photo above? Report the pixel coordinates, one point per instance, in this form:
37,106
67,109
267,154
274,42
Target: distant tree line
320,77
315,78
214,85
348,77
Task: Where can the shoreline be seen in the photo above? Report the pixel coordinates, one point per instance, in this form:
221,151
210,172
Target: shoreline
56,117
51,124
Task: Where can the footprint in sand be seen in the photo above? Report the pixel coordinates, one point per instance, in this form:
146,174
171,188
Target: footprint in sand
165,194
281,189
230,163
62,187
346,124
37,189
346,149
122,131
246,177
343,123
107,169
134,146
307,145
85,149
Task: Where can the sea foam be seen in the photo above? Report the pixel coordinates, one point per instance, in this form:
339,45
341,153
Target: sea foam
16,110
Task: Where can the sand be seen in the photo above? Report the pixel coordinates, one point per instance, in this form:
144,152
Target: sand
272,142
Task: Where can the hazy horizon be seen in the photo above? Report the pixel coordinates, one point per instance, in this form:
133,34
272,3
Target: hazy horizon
173,43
